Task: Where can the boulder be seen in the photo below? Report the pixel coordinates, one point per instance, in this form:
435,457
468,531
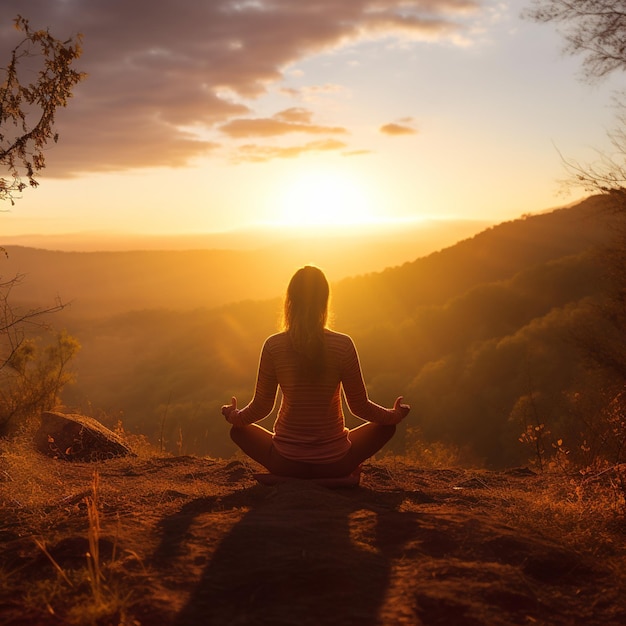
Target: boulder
77,438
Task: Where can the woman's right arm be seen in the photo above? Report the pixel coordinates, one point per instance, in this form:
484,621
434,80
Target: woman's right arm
264,397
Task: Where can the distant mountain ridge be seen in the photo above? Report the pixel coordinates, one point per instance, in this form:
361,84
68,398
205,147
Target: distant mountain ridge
111,282
443,232
242,266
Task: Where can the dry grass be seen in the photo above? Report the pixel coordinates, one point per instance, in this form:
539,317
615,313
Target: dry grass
589,516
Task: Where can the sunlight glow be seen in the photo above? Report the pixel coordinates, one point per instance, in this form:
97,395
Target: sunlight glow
325,198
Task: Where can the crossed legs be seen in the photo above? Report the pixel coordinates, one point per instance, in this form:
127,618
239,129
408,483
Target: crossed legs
258,444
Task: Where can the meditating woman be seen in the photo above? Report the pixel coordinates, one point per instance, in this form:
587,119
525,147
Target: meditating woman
311,364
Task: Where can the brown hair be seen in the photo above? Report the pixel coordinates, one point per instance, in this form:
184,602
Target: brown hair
306,314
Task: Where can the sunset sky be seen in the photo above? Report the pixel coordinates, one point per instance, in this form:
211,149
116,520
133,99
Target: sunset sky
199,116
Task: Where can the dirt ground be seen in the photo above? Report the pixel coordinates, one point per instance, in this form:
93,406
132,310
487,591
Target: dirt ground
185,541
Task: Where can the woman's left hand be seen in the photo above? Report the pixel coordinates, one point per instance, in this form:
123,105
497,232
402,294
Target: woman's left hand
401,410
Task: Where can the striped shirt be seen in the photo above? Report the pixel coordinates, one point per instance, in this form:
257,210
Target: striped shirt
310,425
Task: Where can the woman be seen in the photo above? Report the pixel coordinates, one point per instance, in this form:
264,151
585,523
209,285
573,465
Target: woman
311,364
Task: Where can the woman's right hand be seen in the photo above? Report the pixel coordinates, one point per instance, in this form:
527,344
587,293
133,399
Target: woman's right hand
401,410
230,409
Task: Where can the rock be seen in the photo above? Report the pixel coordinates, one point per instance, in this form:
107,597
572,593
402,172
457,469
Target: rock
77,438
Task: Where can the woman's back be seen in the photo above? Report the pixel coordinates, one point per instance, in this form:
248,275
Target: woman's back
310,417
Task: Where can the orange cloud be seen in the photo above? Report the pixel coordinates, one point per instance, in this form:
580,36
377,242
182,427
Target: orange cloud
253,153
395,129
295,114
293,120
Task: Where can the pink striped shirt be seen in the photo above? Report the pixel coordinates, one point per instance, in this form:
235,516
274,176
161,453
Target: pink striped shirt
310,425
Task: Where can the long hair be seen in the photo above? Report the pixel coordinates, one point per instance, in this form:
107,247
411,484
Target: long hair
306,314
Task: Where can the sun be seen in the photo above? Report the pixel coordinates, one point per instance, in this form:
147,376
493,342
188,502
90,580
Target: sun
320,198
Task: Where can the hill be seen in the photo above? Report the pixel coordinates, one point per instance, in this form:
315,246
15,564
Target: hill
182,541
478,337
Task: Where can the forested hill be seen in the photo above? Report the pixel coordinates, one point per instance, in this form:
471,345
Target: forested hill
486,338
478,337
497,253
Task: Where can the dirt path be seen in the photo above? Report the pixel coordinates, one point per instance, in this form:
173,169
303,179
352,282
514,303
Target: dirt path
199,542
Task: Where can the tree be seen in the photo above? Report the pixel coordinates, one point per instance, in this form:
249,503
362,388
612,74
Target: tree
27,109
596,29
32,378
27,115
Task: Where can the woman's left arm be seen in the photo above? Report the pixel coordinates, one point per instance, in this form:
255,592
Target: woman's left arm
357,398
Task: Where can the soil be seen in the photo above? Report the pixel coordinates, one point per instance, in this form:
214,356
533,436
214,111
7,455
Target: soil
186,541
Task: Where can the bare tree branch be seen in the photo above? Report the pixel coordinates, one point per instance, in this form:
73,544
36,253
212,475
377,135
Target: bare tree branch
27,109
593,28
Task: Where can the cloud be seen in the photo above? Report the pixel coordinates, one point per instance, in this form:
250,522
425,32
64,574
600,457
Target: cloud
294,120
395,128
156,69
295,114
140,143
253,153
